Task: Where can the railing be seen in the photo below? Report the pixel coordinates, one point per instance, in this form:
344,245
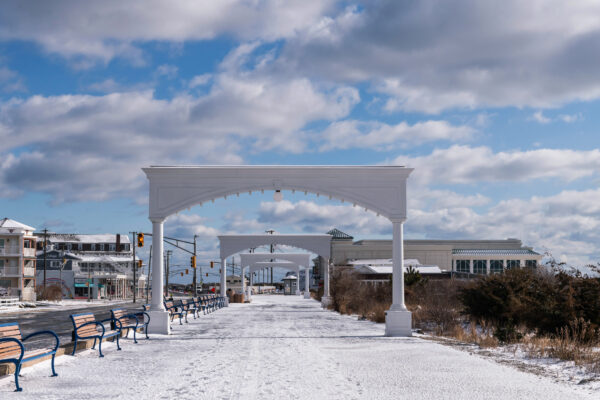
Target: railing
10,250
10,271
29,252
29,271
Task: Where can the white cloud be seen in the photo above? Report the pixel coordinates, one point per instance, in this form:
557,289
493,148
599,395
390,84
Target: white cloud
539,116
168,71
83,147
566,223
466,165
434,55
308,216
200,80
102,31
569,118
377,135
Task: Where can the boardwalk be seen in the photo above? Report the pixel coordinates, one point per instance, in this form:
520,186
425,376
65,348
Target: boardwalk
283,347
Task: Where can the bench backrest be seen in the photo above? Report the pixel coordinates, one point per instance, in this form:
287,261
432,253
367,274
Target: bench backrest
146,307
10,349
169,304
80,319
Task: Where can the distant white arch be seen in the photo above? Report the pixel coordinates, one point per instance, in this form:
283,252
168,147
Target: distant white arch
381,189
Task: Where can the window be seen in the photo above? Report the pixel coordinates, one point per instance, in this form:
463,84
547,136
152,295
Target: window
1,242
55,264
496,266
510,264
531,263
112,247
462,266
479,267
93,247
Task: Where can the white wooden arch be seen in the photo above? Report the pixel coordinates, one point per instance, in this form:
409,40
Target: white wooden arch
290,261
232,244
381,189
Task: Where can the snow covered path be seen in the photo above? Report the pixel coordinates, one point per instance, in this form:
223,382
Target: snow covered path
282,347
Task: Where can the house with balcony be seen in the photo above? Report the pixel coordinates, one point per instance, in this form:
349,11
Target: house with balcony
17,260
96,266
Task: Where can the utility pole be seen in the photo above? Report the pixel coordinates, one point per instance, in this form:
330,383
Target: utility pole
195,282
89,283
133,243
45,244
272,249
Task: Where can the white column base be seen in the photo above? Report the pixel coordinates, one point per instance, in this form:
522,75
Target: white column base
325,301
398,323
226,301
307,295
159,323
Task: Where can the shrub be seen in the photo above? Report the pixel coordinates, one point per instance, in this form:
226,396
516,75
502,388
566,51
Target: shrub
51,293
535,299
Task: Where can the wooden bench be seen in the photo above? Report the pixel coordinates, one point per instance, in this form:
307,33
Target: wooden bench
188,306
199,305
129,321
85,327
172,309
12,348
206,304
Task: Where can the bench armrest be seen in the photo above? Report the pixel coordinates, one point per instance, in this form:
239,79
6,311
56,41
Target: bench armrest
44,333
90,323
17,341
116,321
146,314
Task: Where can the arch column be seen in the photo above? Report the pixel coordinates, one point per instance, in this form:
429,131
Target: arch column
159,317
224,281
398,318
249,290
298,282
243,280
326,299
306,283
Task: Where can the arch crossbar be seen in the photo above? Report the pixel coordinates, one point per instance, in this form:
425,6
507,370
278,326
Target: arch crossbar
381,189
233,244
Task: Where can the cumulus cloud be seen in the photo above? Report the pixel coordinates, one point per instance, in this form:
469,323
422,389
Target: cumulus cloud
377,135
565,224
434,55
310,217
102,31
460,164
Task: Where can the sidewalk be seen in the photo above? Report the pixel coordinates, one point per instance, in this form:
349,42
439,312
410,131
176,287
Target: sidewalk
282,347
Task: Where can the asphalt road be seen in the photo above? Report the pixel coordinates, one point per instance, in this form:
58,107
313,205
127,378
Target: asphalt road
56,320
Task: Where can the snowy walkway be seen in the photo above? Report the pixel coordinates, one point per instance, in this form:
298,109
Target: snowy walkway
282,347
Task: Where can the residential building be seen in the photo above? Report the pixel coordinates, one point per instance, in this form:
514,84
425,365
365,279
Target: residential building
95,266
17,260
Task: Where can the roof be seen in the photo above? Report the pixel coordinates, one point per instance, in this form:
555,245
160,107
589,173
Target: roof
388,269
101,257
339,235
382,262
12,224
494,252
83,238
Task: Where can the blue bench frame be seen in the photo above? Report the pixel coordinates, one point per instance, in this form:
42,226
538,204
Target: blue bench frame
137,325
100,337
22,359
189,306
173,311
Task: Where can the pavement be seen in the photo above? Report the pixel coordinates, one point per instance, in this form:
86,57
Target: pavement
283,347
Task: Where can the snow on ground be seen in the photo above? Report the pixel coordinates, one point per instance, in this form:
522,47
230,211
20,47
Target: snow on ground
66,304
283,347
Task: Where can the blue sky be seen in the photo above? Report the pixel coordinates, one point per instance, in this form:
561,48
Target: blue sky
495,105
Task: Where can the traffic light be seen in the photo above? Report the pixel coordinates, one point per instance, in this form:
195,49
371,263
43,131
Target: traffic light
187,271
140,240
182,274
193,261
139,263
207,274
212,264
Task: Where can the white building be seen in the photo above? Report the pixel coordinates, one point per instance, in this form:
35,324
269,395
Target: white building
459,256
17,260
101,264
